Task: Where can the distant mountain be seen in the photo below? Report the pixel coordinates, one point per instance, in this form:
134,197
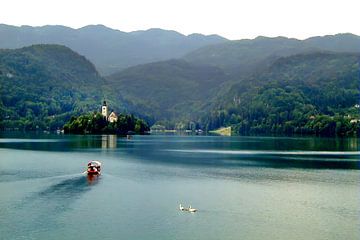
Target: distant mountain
110,50
244,56
43,85
168,90
345,42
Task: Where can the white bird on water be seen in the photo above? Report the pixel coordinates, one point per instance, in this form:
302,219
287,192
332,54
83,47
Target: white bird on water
192,209
189,209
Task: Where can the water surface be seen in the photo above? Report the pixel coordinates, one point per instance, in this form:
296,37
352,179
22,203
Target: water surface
244,187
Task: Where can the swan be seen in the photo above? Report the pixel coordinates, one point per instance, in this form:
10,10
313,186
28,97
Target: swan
190,209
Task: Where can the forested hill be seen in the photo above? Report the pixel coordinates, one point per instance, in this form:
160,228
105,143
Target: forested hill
109,49
305,93
41,86
170,90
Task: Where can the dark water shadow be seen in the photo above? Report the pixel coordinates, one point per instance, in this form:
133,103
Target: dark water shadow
309,163
248,160
69,188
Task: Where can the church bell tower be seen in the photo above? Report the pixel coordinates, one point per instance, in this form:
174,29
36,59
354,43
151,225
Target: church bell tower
104,110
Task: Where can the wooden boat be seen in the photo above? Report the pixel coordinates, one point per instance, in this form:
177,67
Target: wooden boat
94,168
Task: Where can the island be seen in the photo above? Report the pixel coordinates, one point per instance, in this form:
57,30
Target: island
98,123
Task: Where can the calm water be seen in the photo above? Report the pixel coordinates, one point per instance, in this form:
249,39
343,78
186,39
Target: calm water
244,187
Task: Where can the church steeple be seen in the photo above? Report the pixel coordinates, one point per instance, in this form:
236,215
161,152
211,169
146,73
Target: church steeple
104,110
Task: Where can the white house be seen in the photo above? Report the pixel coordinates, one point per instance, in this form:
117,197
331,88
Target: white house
112,117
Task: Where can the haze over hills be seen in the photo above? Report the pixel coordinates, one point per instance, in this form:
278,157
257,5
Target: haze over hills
109,49
168,90
242,56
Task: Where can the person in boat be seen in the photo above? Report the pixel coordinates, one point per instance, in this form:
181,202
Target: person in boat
94,167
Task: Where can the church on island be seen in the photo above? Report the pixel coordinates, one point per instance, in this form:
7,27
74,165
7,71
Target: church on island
112,117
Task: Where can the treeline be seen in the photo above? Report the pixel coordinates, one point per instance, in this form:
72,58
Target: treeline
293,122
95,123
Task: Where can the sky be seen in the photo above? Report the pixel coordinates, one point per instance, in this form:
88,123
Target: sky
229,18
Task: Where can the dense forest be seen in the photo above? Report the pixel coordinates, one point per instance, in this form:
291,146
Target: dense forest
95,123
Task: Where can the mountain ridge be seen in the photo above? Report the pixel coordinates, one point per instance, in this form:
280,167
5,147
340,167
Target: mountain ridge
235,56
109,49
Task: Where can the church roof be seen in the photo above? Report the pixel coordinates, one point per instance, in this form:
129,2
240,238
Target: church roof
112,114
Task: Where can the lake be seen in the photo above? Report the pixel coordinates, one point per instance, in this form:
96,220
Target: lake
243,187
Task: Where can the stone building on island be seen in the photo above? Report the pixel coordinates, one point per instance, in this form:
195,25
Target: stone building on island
112,117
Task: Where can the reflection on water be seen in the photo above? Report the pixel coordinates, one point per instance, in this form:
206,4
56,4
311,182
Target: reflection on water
108,141
92,179
59,143
353,143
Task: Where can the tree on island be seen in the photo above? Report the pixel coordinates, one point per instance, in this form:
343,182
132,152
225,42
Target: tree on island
95,123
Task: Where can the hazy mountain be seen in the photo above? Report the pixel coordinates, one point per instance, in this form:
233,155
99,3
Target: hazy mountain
44,85
345,42
244,56
172,89
110,50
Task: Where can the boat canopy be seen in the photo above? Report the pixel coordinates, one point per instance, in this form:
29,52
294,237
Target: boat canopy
94,163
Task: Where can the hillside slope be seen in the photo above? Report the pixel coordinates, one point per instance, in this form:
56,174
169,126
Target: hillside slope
305,93
44,85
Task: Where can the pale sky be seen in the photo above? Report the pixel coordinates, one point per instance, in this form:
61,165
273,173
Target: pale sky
229,18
